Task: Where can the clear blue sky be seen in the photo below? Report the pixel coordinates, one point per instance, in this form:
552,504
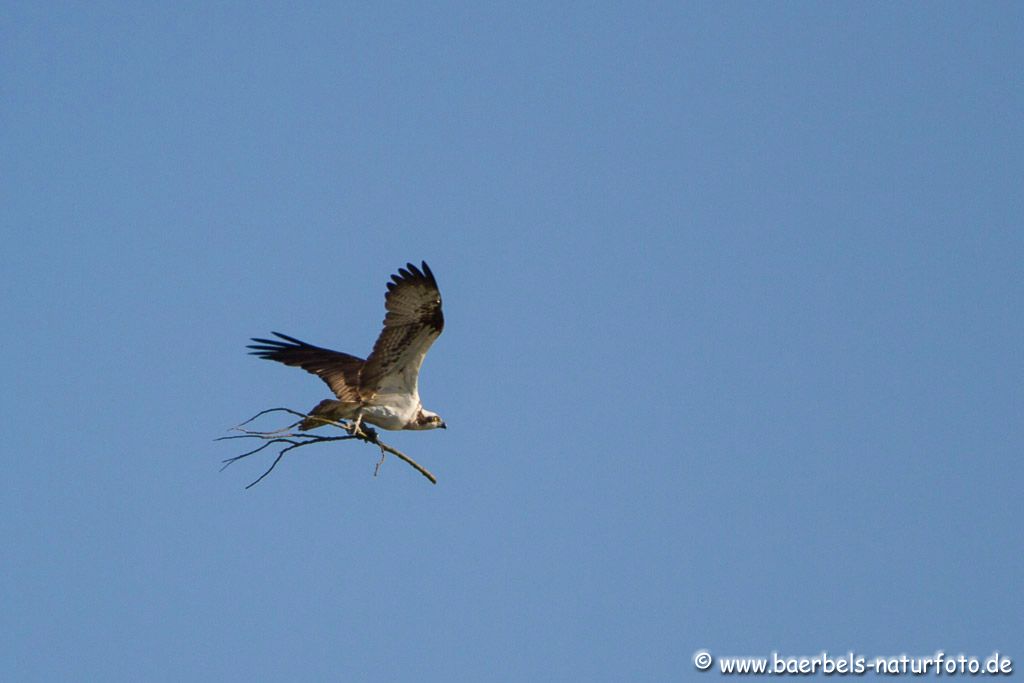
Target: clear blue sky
733,356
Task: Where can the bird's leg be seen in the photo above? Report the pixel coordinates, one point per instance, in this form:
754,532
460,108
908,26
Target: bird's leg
356,426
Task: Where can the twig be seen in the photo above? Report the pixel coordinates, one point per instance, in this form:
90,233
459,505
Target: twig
297,440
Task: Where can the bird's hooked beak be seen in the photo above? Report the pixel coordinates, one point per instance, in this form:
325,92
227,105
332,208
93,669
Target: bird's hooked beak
444,425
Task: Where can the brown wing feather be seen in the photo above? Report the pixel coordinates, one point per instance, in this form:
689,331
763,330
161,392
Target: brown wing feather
339,370
413,321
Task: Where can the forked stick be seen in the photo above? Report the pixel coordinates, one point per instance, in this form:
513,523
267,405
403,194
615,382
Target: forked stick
285,435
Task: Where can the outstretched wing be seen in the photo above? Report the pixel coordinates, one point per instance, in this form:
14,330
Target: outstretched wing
414,320
339,370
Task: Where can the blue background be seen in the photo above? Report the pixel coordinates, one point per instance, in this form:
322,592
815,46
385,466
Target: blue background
733,356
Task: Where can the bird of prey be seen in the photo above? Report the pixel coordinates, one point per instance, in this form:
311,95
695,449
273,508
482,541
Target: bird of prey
383,389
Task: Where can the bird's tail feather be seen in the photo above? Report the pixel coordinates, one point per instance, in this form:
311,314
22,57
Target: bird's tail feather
331,410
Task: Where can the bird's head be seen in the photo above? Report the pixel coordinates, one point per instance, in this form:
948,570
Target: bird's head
428,420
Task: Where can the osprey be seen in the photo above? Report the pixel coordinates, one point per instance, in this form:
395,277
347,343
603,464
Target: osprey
383,389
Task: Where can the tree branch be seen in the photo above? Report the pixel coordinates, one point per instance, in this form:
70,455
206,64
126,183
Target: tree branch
293,440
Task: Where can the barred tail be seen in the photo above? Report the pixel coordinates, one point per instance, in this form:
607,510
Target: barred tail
329,409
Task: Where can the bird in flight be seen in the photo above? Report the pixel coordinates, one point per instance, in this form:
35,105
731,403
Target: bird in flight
383,389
